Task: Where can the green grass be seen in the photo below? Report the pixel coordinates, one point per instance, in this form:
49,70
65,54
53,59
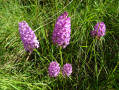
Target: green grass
95,63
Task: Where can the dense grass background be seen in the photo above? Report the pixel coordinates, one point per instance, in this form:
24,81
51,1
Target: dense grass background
95,63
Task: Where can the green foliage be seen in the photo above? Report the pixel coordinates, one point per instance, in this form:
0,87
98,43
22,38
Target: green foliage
95,63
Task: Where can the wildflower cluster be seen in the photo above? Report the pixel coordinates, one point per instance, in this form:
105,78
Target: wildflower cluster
60,37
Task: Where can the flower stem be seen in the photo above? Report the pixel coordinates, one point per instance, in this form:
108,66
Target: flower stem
60,50
37,52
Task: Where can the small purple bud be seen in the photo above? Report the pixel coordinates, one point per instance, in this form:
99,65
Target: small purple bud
53,69
67,70
99,29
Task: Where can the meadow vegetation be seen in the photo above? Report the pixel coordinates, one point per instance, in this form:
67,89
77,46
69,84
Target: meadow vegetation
95,63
